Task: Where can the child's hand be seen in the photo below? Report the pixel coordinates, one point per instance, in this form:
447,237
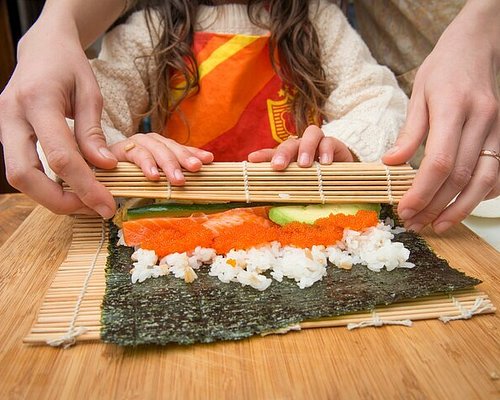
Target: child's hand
313,144
150,151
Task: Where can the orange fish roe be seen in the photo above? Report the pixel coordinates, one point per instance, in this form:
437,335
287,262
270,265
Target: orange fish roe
361,220
325,231
307,235
190,234
244,236
178,238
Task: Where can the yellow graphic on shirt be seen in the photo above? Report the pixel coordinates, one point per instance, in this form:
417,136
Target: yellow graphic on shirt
218,56
228,49
280,117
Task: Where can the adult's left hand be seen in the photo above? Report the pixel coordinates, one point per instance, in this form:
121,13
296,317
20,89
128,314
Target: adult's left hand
455,104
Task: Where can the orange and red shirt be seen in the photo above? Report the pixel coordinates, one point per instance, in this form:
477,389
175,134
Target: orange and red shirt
241,105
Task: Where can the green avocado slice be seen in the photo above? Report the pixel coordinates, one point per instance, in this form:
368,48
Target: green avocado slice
283,215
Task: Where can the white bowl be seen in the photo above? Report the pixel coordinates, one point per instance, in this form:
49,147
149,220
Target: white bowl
488,208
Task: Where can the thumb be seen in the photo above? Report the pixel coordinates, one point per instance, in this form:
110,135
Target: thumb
88,131
413,132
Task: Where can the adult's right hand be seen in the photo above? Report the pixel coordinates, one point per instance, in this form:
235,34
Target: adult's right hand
53,80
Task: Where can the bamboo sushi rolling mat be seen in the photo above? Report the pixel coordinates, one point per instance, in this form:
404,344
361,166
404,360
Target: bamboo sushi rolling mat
72,306
458,360
257,182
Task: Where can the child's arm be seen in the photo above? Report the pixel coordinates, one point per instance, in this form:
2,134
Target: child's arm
364,111
366,108
124,72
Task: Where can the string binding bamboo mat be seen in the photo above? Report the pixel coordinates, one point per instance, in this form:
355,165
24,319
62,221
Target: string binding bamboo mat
71,309
257,182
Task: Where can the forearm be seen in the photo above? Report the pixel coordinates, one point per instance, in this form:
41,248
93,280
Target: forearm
77,20
366,108
122,71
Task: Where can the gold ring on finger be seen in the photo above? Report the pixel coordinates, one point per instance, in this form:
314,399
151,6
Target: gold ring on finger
490,153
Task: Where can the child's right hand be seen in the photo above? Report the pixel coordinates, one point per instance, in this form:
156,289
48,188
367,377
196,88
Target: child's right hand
150,151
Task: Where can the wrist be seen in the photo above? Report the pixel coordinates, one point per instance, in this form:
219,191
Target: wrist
53,27
73,21
480,21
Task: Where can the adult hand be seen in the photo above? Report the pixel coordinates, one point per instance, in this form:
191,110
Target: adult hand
312,145
455,104
53,80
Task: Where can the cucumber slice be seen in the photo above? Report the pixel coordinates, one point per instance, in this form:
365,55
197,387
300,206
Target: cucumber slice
181,210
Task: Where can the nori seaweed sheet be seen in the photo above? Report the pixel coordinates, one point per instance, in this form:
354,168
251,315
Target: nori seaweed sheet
168,310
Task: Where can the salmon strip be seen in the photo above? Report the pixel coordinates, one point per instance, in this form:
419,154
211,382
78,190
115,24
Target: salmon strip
136,231
238,216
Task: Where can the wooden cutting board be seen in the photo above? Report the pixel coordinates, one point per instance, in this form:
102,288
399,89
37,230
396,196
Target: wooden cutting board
457,360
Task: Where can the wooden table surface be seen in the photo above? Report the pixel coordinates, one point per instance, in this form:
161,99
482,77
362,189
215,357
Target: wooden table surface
431,360
14,208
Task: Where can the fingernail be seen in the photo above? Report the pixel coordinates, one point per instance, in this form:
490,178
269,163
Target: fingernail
304,159
154,171
325,159
391,151
193,161
442,226
178,175
416,227
278,161
407,213
107,154
104,211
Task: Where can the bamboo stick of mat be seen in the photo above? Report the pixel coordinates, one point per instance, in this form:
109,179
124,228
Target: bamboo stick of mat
66,302
258,182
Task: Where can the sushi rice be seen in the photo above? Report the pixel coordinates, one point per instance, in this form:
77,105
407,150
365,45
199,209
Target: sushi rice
259,266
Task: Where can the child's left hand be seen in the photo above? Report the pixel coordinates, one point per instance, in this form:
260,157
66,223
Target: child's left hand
312,145
150,151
